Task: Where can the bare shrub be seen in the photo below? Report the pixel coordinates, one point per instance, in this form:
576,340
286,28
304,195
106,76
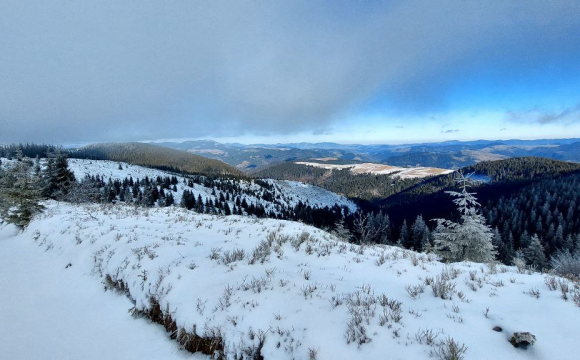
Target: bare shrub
576,296
381,259
300,239
448,349
564,289
312,353
443,288
415,291
427,337
236,254
533,292
551,282
214,253
308,290
261,253
356,331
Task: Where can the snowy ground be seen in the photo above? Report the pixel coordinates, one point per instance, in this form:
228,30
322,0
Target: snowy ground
52,312
299,288
290,192
380,169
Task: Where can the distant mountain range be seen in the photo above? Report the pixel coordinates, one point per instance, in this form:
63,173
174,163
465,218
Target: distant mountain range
448,154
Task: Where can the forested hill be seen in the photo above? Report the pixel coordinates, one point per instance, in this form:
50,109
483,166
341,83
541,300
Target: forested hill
345,182
523,168
522,197
157,157
429,159
509,172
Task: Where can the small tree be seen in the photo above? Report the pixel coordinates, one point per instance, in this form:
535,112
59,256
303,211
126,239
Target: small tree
469,239
420,234
341,231
58,178
534,253
367,228
20,192
404,237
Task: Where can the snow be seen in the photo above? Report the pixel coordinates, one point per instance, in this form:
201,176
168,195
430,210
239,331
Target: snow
380,169
289,297
52,312
290,192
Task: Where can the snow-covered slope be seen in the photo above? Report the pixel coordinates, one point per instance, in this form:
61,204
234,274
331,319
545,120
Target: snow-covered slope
300,290
381,169
50,311
286,192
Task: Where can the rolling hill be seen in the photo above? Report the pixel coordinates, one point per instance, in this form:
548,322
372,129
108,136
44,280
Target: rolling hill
157,157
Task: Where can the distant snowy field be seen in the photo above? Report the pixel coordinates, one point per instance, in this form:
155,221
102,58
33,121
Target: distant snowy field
381,169
301,289
291,192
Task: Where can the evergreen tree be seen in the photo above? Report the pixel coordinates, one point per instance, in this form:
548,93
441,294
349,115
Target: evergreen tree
58,178
534,254
20,192
419,234
404,237
341,231
469,239
503,253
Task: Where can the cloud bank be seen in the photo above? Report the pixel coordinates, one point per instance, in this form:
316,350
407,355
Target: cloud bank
134,70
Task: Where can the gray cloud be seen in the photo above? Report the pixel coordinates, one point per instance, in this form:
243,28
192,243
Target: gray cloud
134,70
567,116
450,131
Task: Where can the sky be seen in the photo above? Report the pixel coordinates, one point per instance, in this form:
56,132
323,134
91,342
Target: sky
288,71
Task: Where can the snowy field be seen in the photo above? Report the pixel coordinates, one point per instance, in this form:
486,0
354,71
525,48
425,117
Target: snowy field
380,169
290,192
284,289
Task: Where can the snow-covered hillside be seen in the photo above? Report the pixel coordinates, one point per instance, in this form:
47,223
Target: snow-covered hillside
50,311
381,169
287,193
291,291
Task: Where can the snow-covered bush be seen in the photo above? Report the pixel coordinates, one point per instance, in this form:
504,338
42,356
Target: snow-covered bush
566,263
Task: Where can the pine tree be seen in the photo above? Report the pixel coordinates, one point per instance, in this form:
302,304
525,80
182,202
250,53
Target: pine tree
57,177
469,239
20,193
341,231
419,234
404,235
534,254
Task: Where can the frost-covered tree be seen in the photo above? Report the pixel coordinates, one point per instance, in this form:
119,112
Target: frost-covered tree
20,192
420,234
534,253
470,238
404,237
57,177
341,231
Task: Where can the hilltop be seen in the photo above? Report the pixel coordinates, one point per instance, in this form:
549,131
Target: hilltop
155,156
249,288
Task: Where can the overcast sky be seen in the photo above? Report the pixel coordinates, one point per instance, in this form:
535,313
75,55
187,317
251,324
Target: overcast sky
269,71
